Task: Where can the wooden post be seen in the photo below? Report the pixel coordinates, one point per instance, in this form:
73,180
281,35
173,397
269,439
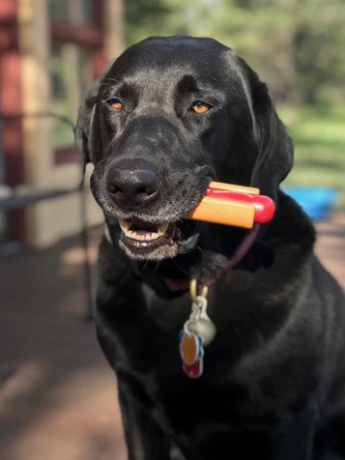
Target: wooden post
113,28
11,108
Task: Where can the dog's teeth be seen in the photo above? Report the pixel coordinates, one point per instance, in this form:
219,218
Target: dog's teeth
161,229
142,235
124,224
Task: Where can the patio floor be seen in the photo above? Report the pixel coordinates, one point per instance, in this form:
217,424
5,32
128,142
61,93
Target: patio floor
57,394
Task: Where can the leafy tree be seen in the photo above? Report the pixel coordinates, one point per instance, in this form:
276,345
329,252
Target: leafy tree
297,46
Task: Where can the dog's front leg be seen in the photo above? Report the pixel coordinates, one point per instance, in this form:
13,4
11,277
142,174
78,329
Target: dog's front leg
144,438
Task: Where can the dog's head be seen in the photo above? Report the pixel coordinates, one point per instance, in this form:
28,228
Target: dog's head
169,116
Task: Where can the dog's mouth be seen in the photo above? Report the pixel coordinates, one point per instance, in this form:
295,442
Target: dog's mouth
141,239
141,234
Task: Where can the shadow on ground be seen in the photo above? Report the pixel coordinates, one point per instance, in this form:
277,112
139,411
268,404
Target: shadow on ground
58,397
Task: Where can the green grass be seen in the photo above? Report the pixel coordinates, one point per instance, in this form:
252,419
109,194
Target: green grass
319,139
62,134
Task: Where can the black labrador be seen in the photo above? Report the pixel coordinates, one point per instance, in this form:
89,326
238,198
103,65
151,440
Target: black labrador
170,115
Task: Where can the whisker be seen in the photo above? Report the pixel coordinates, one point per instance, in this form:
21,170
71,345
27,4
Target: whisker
200,249
156,268
145,264
185,272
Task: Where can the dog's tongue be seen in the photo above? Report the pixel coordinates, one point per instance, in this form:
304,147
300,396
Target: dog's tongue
175,285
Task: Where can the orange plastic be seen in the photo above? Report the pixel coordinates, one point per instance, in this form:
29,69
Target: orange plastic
234,188
224,212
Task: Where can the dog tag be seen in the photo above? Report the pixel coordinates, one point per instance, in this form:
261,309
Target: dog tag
205,328
198,331
192,353
195,370
191,347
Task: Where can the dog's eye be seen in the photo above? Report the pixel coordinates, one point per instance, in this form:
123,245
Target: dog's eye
200,107
115,104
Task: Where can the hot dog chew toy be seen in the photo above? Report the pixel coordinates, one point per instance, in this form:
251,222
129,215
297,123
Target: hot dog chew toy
235,205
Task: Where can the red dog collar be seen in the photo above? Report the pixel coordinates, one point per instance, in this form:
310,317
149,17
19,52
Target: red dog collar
175,285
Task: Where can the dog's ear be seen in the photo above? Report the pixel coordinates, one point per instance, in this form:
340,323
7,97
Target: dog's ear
275,147
85,116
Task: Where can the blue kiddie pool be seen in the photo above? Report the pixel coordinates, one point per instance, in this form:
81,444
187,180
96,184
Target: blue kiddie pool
316,201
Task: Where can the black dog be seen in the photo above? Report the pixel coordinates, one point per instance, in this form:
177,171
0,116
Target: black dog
169,116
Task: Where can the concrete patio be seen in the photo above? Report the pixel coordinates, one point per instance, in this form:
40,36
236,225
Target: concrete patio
57,394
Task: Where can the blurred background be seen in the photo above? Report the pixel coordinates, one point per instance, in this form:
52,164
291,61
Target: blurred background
57,395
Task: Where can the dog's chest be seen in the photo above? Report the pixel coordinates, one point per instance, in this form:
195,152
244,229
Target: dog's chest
147,348
145,333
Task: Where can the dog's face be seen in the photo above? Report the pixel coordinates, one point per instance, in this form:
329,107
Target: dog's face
171,115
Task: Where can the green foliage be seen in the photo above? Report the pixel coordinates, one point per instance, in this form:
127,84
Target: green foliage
319,140
296,46
145,18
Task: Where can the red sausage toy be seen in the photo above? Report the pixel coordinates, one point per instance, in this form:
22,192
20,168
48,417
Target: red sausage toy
235,205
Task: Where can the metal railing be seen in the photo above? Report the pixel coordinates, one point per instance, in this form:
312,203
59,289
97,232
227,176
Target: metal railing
25,198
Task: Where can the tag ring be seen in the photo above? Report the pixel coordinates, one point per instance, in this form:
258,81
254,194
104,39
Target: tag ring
193,289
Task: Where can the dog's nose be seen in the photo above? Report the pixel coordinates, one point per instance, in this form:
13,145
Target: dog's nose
132,184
